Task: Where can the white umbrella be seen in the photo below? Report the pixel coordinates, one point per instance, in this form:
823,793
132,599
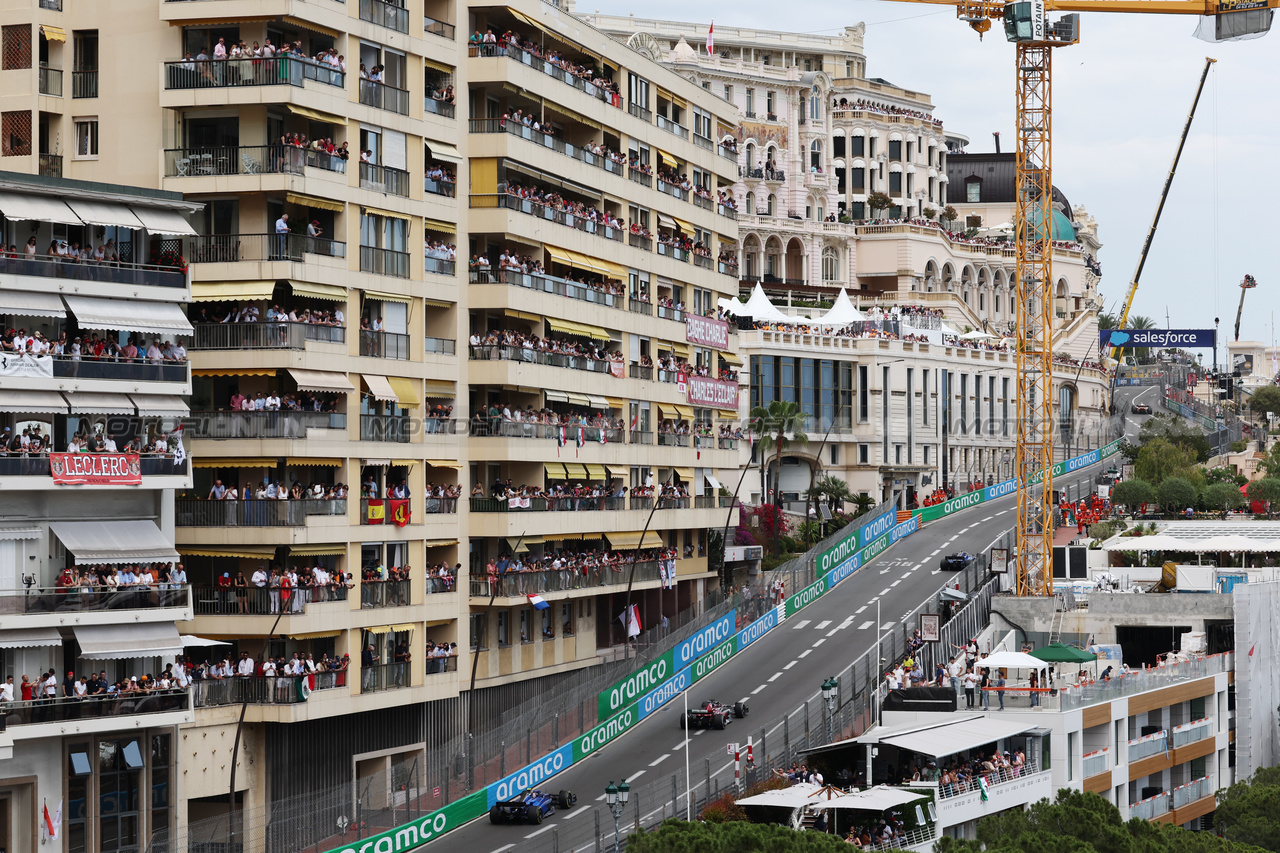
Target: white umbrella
788,798
875,799
1012,660
842,312
977,335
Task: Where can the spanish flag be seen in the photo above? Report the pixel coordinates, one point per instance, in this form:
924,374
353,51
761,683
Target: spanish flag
400,512
376,513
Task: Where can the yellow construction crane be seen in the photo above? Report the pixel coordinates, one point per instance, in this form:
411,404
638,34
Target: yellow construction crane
1027,25
1245,286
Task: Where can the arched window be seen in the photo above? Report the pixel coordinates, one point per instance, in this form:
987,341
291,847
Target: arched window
830,264
751,204
815,156
751,155
815,105
769,211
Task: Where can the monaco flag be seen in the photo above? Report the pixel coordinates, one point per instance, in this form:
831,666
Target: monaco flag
51,824
631,618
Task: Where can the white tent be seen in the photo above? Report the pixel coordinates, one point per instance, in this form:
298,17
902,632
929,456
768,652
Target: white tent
1012,660
759,307
732,305
875,799
977,335
788,798
1159,542
947,330
842,312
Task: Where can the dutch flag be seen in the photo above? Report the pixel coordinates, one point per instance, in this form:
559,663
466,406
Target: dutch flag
538,602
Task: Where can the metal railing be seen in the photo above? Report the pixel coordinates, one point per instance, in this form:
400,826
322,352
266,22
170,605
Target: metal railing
673,190
671,127
440,28
550,214
511,584
640,371
385,428
532,356
384,261
85,598
1148,745
384,676
84,84
549,504
994,778
519,54
284,424
671,439
262,690
264,601
50,81
547,140
235,248
1139,681
152,465
439,266
243,336
642,113
193,512
1194,790
448,189
640,177
1150,808
318,159
498,428
640,306
1197,730
226,73
673,252
548,284
50,165
440,346
384,179
429,506
438,106
384,97
640,241
64,708
666,312
206,160
1097,762
391,345
137,370
387,15
383,593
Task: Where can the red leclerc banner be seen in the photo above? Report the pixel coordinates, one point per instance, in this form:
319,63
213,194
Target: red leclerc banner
713,393
706,332
95,469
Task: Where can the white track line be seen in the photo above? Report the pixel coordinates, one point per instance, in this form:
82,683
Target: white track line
660,759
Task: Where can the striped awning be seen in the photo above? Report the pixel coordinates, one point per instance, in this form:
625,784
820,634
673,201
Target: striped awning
248,552
576,470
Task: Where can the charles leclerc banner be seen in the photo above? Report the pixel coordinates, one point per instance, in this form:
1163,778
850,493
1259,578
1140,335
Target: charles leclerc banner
95,469
713,393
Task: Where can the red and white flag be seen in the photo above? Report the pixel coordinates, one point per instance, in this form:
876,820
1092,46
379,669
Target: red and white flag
711,39
179,452
631,618
51,824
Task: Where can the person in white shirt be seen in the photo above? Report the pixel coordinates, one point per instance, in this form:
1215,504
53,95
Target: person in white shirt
282,235
6,690
81,689
154,354
245,667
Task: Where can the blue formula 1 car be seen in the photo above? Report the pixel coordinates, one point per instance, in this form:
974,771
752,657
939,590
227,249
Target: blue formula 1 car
530,807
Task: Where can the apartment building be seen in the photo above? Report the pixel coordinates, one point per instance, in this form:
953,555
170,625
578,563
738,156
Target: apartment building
347,284
89,729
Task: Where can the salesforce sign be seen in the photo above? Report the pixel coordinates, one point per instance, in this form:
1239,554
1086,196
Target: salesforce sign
1188,338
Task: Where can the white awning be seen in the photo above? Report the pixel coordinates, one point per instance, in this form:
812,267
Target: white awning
108,642
788,798
33,402
131,315
444,151
30,638
10,532
93,542
95,403
597,402
192,641
160,406
37,208
26,303
877,799
379,387
168,222
321,380
715,484
1012,660
948,738
104,213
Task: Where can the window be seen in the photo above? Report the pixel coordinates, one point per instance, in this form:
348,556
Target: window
768,101
926,454
924,384
504,629
857,145
973,191
815,156
86,138
864,395
864,454
1004,406
526,625
835,454
895,149
15,44
566,617
815,104
15,133
895,183
964,403
728,93
751,103
830,264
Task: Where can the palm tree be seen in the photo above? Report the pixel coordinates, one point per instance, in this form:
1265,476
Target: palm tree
1138,321
1106,320
780,424
835,491
861,503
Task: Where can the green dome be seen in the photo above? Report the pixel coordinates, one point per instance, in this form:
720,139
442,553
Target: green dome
1062,227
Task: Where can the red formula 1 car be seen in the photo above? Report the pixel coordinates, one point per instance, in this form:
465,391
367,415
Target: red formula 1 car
713,715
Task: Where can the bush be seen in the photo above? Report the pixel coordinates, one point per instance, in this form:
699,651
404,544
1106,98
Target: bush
1239,446
1133,494
1176,494
677,836
722,810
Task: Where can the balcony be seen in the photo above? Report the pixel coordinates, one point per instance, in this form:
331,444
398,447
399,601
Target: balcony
92,599
385,428
673,190
390,345
520,584
703,261
518,54
229,425
124,370
1192,732
1148,745
440,346
1196,789
384,179
235,160
671,127
235,248
50,81
550,214
645,115
84,84
546,140
703,142
670,439
960,803
256,690
551,359
223,601
439,107
528,429
1097,762
228,73
641,177
1150,808
448,189
194,512
639,241
549,504
385,15
727,153
50,165
674,252
38,466
666,312
640,371
384,261
384,676
441,29
62,710
384,594
384,97
549,284
249,336
439,266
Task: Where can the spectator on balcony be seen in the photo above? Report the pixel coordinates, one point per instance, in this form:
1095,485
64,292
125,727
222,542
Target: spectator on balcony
245,667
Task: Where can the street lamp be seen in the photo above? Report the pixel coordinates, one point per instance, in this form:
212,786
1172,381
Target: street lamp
830,691
616,797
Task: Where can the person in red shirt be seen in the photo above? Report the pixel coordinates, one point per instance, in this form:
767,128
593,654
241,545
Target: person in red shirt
224,592
27,689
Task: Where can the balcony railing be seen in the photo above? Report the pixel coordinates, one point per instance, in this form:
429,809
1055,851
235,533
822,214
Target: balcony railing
670,439
528,429
448,189
387,15
439,266
1096,762
224,425
260,690
430,506
384,179
703,142
672,190
543,504
1192,732
640,241
542,211
1196,789
84,84
1150,808
236,336
440,28
236,160
518,54
640,177
639,306
727,153
50,165
90,598
702,261
546,140
318,159
391,345
384,593
640,371
64,709
138,370
50,81
384,676
38,466
640,112
666,312
234,248
265,601
673,252
549,284
531,356
192,512
671,127
384,261
440,346
438,106
1148,745
227,73
385,428
511,584
384,97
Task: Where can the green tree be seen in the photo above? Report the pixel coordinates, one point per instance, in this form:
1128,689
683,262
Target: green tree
1160,458
1271,462
782,425
1107,320
1266,490
1176,494
1249,811
1176,430
1265,400
1138,321
1222,495
735,836
1133,493
834,491
878,202
1223,474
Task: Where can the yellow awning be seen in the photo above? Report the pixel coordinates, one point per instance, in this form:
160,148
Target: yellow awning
676,99
206,23
564,256
666,410
380,388
404,463
375,211
314,201
53,33
610,268
627,540
575,470
315,635
521,16
668,160
444,151
583,262
437,303
307,25
685,412
315,462
402,627
727,414
684,226
235,462
730,358
518,545
381,629
390,297
327,292
445,463
554,470
332,550
439,225
615,403
439,543
580,329
406,391
438,66
326,381
317,115
579,400
681,350
523,315
685,473
225,291
248,552
597,473
234,371
438,389
619,471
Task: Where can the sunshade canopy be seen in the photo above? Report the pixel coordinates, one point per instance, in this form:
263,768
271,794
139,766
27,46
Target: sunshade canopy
109,642
92,542
1062,653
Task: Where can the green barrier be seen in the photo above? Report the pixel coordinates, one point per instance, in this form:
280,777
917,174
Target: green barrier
427,828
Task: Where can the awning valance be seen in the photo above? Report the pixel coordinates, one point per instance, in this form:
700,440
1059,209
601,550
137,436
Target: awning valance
556,396
314,201
444,151
668,411
438,389
160,406
104,213
234,462
332,550
379,387
380,629
37,208
597,402
579,399
730,358
597,473
234,371
133,315
30,638
321,380
385,214
686,474
11,532
439,225
96,403
685,226
316,635
616,403
28,303
136,541
668,160
626,541
145,640
387,297
622,471
437,66
327,292
167,222
575,470
406,391
403,463
439,543
226,291
53,33
554,470
33,402
686,413
314,462
563,256
403,627
317,115
523,315
248,552
452,464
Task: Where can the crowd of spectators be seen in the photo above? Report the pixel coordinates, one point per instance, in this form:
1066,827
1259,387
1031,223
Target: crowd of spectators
249,313
105,254
555,201
32,442
45,699
272,401
490,346
92,587
440,249
276,490
515,421
1068,361
571,569
279,590
863,105
263,68
438,172
490,43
